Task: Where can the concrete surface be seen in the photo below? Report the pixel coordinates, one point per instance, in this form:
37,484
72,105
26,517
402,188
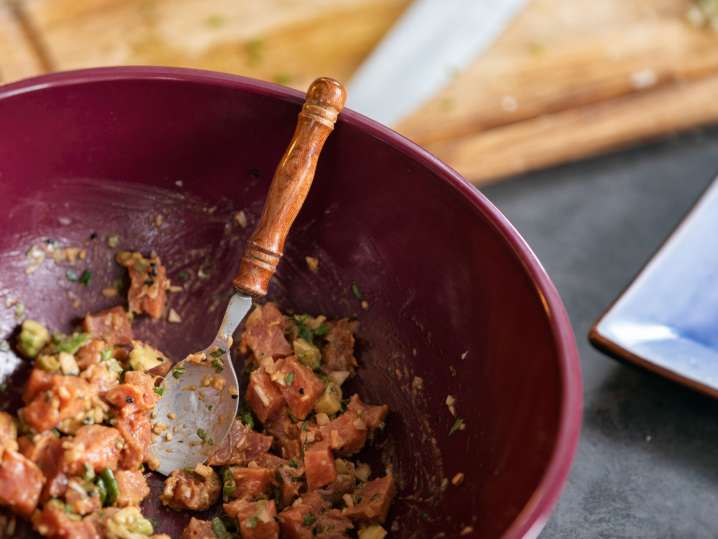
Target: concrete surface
647,463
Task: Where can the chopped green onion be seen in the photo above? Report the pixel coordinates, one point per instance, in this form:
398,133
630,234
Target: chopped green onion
357,293
217,365
70,343
219,529
458,425
106,354
113,490
160,390
309,519
322,330
293,463
289,378
229,485
202,435
177,372
85,278
218,352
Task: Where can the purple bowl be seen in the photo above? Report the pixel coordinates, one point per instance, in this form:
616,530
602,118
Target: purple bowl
458,303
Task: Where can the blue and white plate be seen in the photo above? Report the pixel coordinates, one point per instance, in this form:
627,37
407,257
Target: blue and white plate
667,319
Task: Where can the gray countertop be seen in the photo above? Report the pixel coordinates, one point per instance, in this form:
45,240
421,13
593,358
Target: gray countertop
647,463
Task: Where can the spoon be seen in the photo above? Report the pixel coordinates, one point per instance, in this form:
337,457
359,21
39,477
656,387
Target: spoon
200,395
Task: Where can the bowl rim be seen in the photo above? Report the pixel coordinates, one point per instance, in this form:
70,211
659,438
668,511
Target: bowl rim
534,515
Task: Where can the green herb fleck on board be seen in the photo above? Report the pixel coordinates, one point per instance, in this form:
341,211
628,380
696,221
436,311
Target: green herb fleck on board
215,21
254,49
202,435
217,352
160,391
177,372
217,365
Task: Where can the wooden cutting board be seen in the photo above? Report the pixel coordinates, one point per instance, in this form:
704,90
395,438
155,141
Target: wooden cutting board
568,78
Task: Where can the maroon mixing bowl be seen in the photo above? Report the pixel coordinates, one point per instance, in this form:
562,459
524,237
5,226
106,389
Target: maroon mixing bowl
458,303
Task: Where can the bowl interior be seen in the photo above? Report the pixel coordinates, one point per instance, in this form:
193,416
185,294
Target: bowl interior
452,307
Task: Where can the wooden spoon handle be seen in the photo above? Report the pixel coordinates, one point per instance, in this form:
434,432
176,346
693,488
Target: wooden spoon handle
290,185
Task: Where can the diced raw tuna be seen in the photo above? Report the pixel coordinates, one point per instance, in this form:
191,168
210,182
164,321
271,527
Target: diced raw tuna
287,435
79,500
111,325
297,521
372,500
346,434
8,432
20,483
263,395
291,476
67,397
148,284
47,452
133,487
136,431
137,394
343,484
333,525
91,353
300,387
101,377
338,353
95,446
264,333
196,490
252,483
38,381
256,520
240,447
198,529
319,465
373,416
55,523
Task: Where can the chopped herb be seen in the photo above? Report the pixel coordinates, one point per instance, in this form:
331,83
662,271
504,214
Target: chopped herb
217,365
357,293
71,275
70,343
229,485
289,378
309,519
251,522
202,435
219,352
210,407
293,463
106,354
254,51
322,330
85,278
305,426
160,391
219,529
458,425
107,478
248,419
177,372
